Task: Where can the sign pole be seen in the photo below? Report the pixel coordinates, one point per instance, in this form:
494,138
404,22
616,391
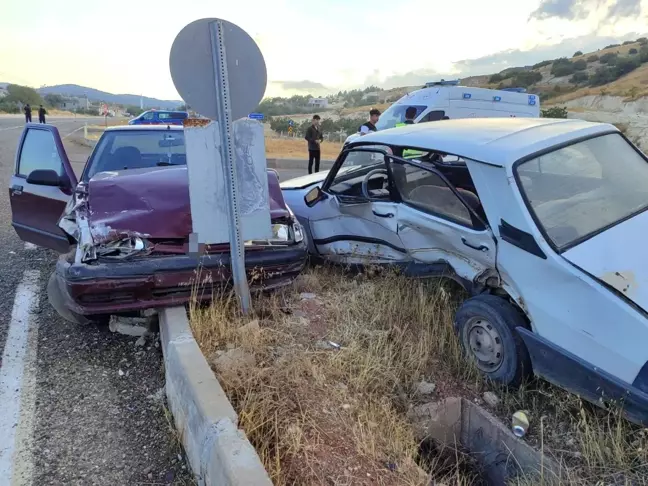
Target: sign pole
237,248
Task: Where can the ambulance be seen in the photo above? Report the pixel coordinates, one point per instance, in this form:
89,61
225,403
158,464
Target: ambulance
440,99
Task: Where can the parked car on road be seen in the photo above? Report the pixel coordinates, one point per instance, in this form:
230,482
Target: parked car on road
540,220
159,117
123,227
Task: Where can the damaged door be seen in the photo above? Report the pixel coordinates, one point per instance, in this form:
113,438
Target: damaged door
356,221
42,183
442,226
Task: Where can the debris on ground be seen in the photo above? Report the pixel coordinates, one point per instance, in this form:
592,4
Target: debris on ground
425,388
491,399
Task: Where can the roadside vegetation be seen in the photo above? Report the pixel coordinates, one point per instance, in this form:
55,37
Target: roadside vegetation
325,371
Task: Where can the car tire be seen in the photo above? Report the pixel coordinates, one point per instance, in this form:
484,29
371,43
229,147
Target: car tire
486,326
55,298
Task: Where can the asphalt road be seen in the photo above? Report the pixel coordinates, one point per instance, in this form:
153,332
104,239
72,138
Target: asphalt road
78,406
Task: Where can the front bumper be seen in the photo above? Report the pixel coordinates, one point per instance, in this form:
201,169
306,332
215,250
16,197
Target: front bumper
112,287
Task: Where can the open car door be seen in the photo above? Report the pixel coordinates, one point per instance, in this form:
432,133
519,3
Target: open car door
354,220
42,183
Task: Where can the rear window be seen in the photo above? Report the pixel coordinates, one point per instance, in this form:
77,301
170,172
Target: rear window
132,149
579,190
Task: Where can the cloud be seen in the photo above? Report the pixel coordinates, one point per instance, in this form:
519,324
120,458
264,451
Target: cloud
304,85
582,9
499,61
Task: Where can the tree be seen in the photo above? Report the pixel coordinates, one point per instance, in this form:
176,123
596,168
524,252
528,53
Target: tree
578,53
23,94
633,51
562,67
525,79
642,41
593,58
53,99
133,110
580,65
496,78
579,77
608,58
540,64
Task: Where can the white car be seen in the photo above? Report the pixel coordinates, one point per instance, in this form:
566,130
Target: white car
542,221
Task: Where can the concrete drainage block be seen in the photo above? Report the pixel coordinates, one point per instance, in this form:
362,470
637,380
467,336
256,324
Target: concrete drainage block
459,422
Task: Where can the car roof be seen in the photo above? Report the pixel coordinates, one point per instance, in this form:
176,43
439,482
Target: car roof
153,128
496,141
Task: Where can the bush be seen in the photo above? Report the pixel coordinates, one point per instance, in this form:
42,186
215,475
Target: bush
609,58
562,67
578,53
496,78
541,64
554,112
593,58
580,65
642,41
623,66
579,77
626,65
633,51
643,54
611,46
626,43
526,78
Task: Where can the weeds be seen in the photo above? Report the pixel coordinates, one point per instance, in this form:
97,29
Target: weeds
325,376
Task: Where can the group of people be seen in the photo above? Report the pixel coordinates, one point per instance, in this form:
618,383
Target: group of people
314,135
28,113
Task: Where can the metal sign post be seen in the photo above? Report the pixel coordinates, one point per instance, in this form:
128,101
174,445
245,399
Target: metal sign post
237,249
219,71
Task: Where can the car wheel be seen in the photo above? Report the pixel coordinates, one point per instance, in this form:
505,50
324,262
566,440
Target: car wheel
55,298
486,328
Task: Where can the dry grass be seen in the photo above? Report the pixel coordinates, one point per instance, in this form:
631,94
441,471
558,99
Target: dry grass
318,414
322,414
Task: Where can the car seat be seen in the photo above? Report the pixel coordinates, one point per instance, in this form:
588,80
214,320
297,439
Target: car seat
124,158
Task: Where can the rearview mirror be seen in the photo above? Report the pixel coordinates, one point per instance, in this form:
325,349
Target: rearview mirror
45,177
313,196
171,142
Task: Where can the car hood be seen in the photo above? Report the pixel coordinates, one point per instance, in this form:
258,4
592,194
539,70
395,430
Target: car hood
304,181
617,258
153,202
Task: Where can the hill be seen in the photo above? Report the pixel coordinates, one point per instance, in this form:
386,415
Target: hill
102,96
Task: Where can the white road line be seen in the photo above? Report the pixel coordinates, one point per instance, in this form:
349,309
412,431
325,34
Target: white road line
30,246
73,131
10,128
12,370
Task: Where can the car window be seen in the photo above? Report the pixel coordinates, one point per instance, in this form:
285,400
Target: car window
39,151
357,164
396,114
435,115
133,149
164,116
578,190
177,116
428,192
148,116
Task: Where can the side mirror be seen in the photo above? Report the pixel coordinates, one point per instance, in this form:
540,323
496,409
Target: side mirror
313,196
45,177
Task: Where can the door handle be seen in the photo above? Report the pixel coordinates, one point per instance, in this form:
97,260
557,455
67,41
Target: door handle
16,190
380,215
474,247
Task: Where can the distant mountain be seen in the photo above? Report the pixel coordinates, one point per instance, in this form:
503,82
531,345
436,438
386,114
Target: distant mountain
101,96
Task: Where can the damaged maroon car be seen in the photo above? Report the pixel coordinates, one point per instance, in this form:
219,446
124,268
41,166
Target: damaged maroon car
123,228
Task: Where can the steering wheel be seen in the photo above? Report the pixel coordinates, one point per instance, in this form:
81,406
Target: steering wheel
365,181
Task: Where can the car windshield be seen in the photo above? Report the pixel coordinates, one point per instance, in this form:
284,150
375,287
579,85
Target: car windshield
580,190
137,149
396,114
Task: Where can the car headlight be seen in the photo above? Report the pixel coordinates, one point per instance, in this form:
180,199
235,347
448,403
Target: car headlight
280,232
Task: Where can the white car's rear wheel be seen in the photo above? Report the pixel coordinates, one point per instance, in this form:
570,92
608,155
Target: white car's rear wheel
486,328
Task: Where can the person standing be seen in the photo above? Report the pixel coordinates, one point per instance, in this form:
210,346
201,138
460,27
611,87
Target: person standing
27,110
314,138
41,114
370,126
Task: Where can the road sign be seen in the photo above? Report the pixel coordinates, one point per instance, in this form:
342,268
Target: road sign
290,129
219,70
290,123
193,74
256,116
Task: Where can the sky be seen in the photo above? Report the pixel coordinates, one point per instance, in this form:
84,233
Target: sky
122,46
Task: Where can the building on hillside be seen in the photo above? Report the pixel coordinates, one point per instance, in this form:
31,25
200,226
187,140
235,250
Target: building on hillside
72,104
3,90
318,102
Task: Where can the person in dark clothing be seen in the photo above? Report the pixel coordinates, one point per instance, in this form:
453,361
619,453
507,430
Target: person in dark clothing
370,126
410,114
314,138
41,114
27,110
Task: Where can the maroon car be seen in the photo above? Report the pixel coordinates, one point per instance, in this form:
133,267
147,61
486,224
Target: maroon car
123,228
